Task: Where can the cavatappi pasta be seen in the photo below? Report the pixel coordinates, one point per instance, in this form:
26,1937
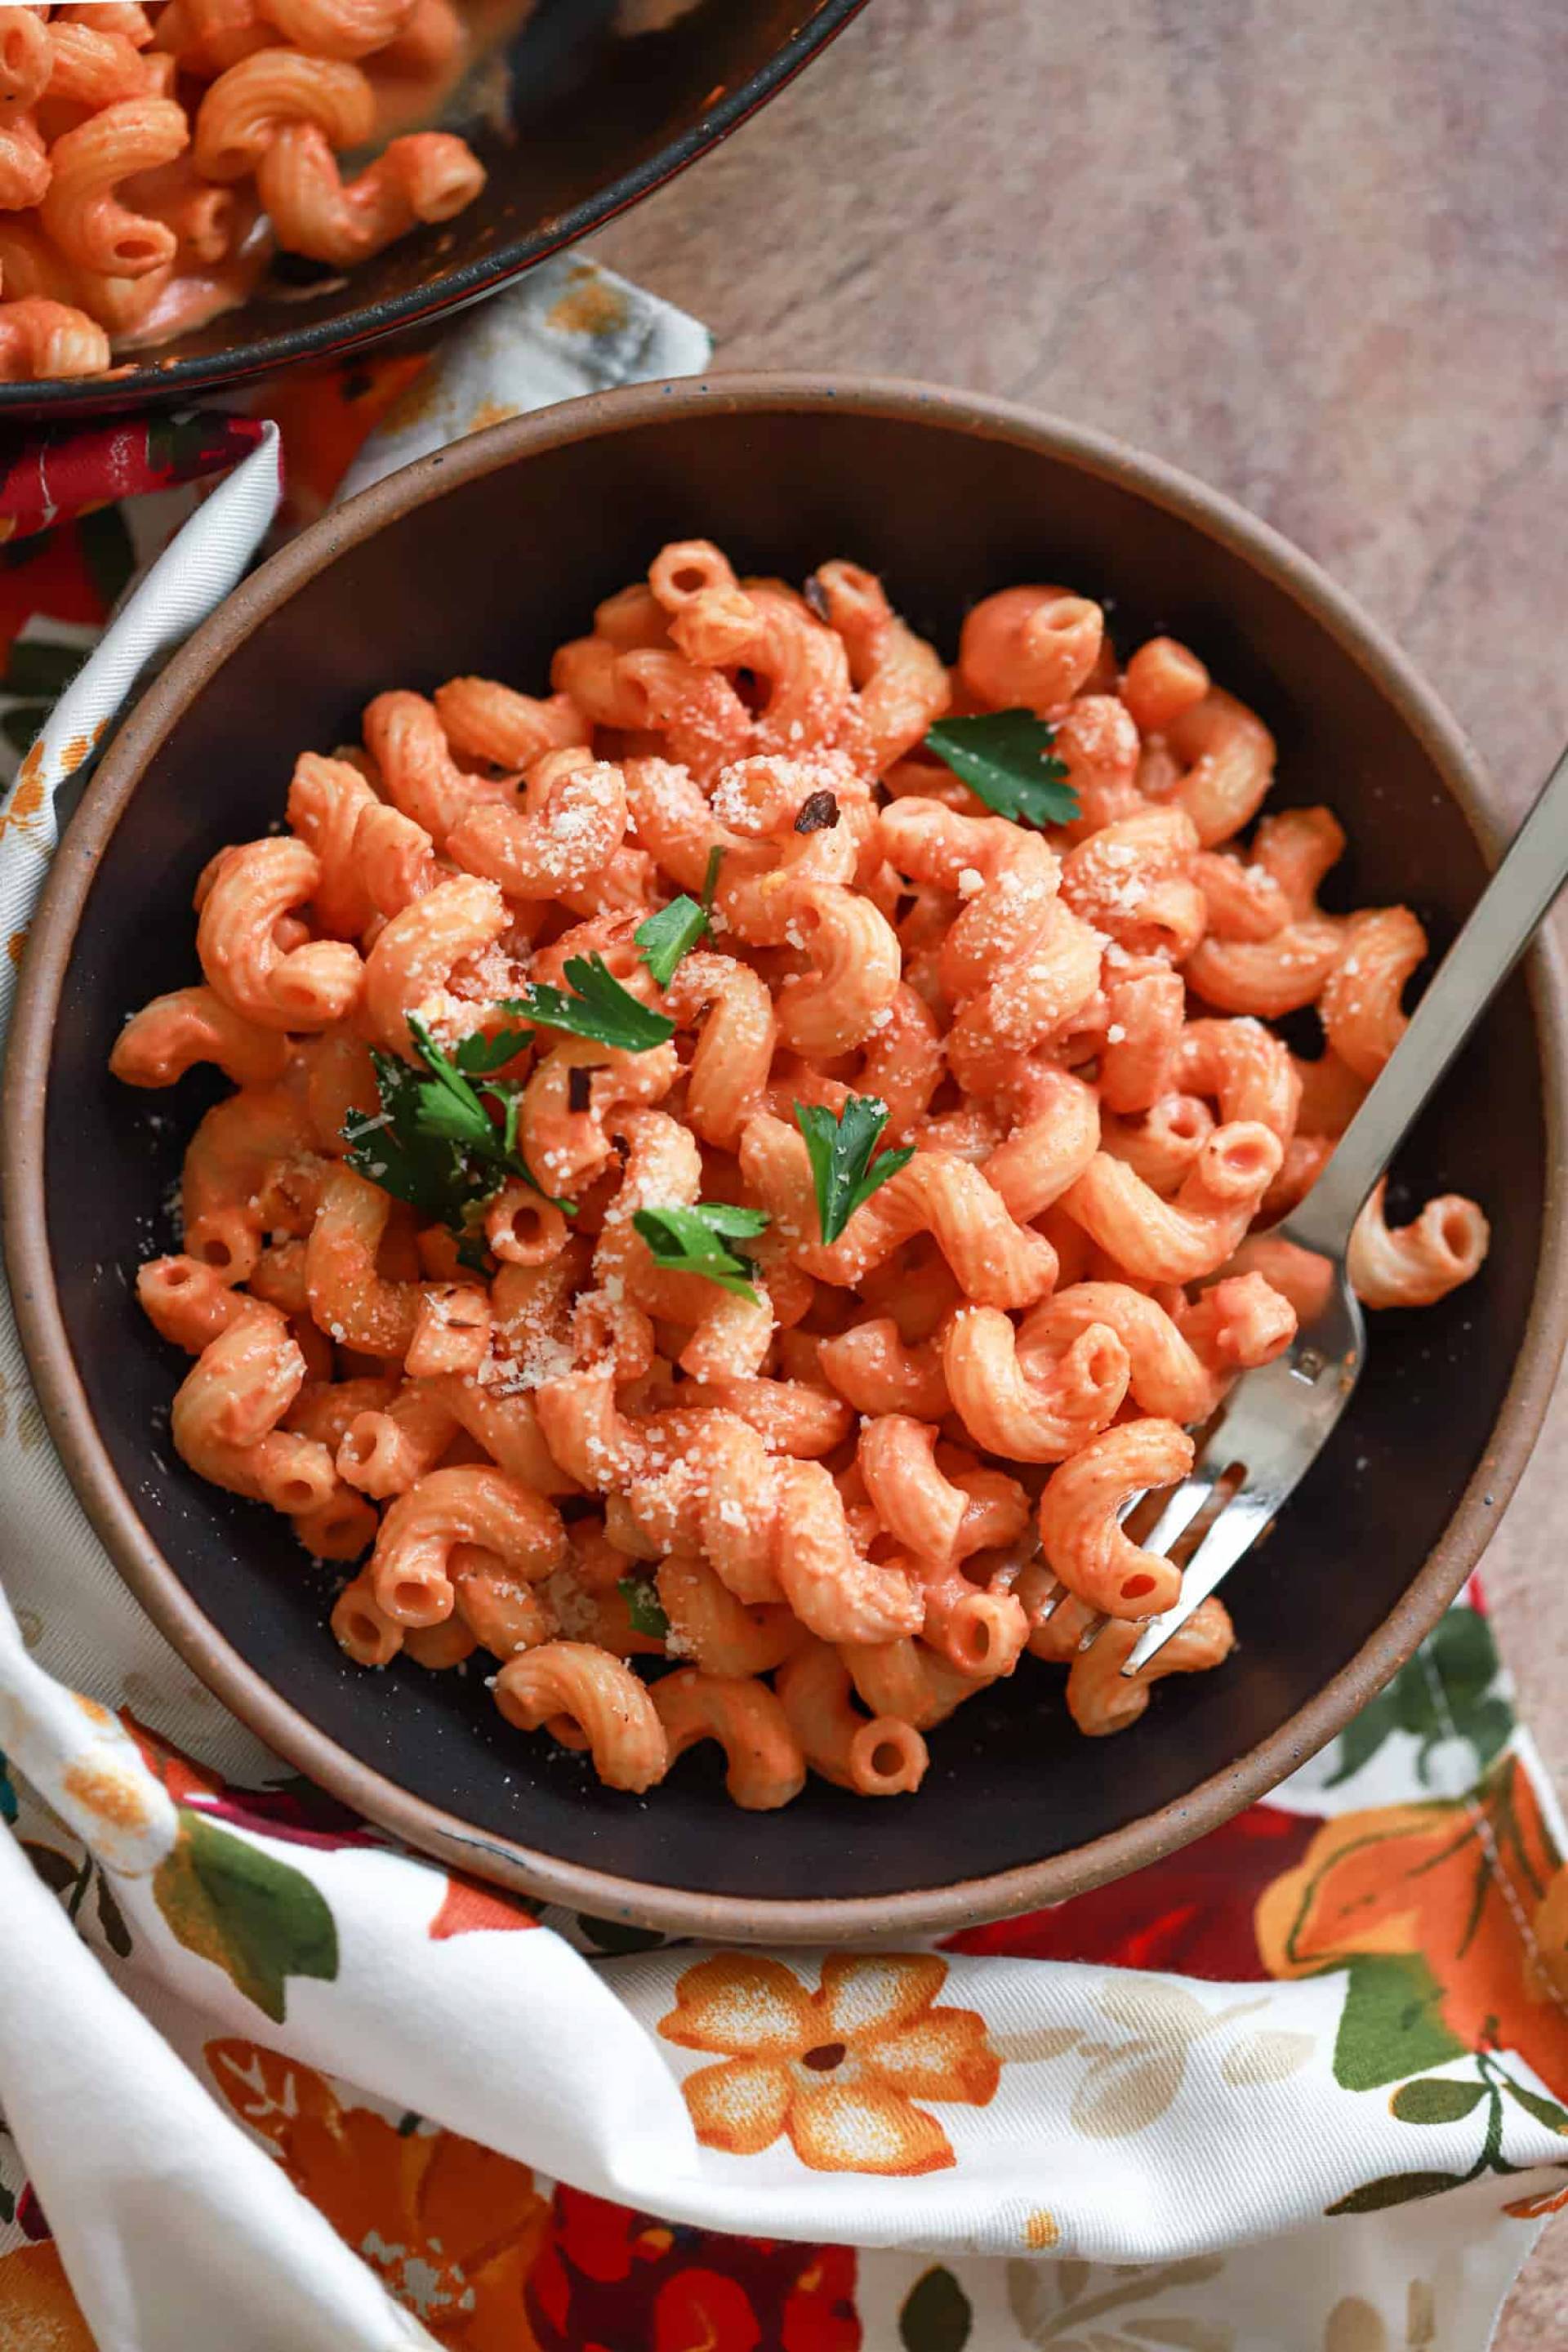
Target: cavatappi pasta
151,157
713,1218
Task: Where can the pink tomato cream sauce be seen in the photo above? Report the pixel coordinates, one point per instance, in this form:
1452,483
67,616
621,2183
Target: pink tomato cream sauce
200,289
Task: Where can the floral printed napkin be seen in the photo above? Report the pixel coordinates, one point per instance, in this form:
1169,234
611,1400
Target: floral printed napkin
1294,2089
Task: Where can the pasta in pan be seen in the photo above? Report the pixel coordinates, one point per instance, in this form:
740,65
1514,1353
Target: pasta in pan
151,156
741,1166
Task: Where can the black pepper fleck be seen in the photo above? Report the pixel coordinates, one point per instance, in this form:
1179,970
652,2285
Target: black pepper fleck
818,814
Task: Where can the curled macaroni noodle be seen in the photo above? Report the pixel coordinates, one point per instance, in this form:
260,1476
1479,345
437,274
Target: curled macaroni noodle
1417,1264
174,1033
1081,1530
411,1570
589,1699
882,1757
766,1764
1360,1000
703,1423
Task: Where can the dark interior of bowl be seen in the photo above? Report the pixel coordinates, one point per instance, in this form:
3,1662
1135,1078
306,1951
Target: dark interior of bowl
488,578
589,119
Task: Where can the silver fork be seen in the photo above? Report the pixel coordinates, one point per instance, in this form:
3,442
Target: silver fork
1277,1420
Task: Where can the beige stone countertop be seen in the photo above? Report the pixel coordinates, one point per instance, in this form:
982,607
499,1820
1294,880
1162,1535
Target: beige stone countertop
1318,255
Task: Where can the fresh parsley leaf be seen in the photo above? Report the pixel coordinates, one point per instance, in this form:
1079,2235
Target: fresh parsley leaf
449,1104
433,1143
1004,756
729,1218
393,1150
644,1606
696,1240
444,1114
600,1008
841,1165
674,931
668,936
479,1055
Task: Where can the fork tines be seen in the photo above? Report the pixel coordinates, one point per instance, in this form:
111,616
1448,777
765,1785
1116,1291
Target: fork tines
1264,1438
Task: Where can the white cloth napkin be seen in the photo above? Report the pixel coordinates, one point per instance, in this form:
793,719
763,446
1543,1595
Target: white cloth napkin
256,1999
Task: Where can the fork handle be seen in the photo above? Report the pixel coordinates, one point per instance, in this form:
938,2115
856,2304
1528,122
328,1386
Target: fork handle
1499,929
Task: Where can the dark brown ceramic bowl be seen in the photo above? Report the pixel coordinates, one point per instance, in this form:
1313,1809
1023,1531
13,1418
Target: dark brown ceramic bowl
483,559
592,121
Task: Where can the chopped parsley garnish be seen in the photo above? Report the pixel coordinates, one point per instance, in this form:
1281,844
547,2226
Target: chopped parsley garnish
599,1008
450,1105
842,1167
696,1241
477,1054
434,1142
675,930
1004,756
643,1607
668,936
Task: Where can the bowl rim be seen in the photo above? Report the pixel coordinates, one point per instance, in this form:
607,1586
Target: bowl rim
145,376
153,1580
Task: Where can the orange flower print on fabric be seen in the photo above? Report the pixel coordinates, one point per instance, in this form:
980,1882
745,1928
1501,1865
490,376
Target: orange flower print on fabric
466,1908
1471,1889
38,2313
450,2228
325,414
1538,2207
1551,1934
25,802
837,2071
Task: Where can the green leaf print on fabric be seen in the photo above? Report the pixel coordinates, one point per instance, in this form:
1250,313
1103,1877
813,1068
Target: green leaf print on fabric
1428,2100
1443,1692
256,1918
1545,2111
1391,2026
72,1880
111,1919
1431,2101
60,1872
1396,2189
936,2315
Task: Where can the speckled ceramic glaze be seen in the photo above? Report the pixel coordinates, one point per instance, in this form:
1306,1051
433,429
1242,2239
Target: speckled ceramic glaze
482,560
